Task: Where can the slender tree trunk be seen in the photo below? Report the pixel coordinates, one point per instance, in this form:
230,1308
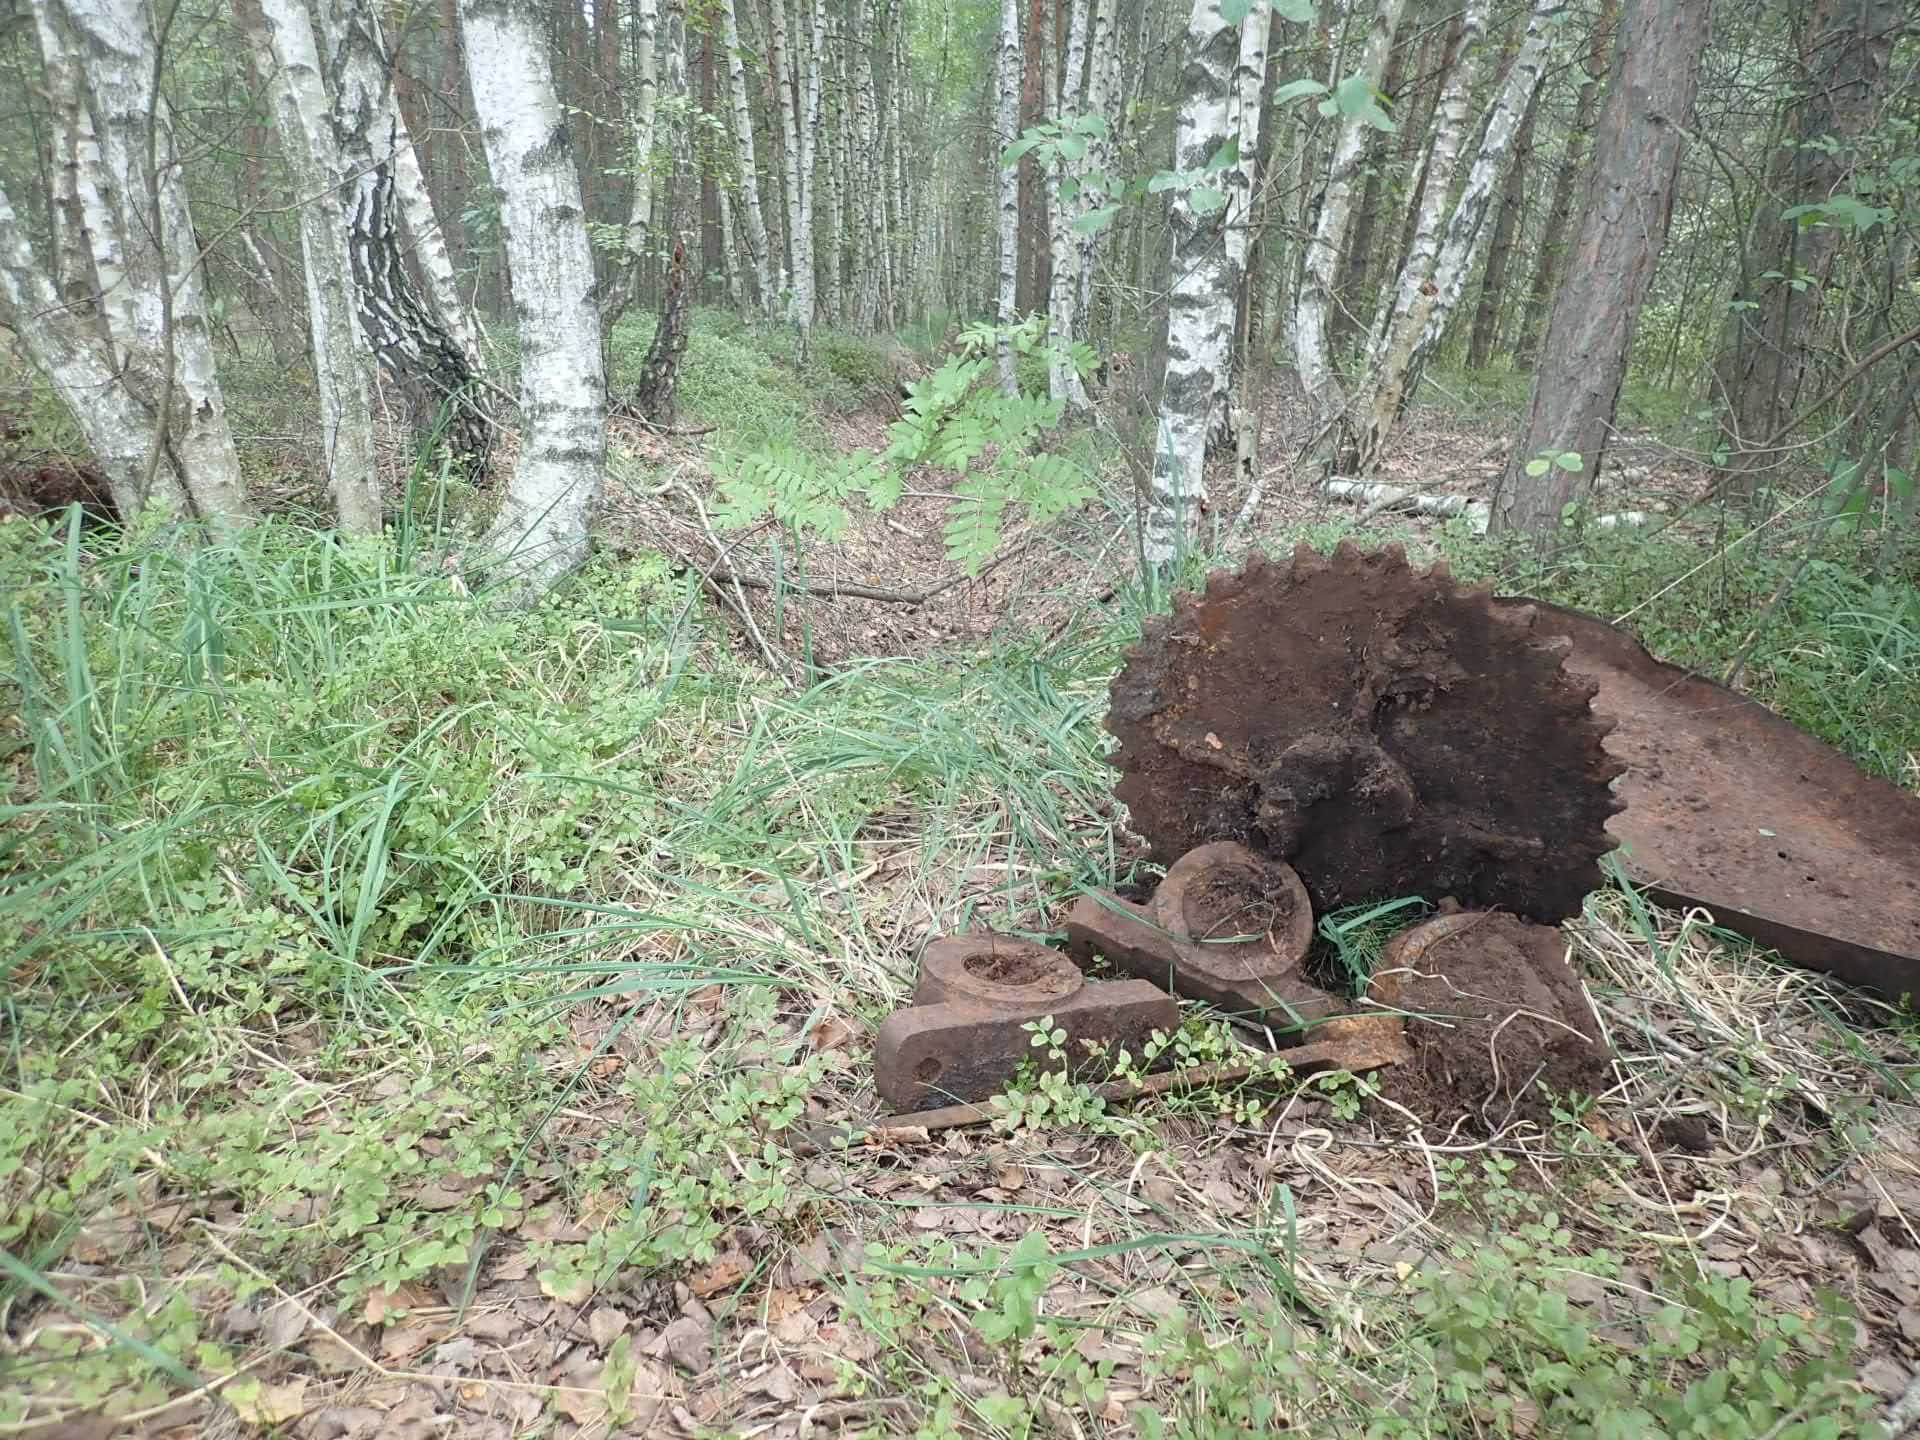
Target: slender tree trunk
637,236
406,332
1063,379
1390,362
1624,215
753,220
1008,69
1236,235
783,104
1466,232
147,263
1033,199
1506,224
288,61
1314,300
809,94
1573,164
1765,357
87,376
560,474
1202,286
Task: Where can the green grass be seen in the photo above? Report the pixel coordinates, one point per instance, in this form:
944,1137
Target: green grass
386,933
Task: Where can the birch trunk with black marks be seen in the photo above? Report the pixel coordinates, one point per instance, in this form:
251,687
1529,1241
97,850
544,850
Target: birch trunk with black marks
753,222
1467,232
1009,66
1103,59
1314,300
1375,408
1201,290
560,475
807,93
782,98
434,368
151,333
1064,386
636,237
1624,215
1249,85
287,59
660,371
88,376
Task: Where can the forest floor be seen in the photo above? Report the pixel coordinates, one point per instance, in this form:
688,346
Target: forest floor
416,1012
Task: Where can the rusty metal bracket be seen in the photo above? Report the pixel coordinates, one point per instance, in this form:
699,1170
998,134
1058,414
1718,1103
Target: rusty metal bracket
1227,926
961,1039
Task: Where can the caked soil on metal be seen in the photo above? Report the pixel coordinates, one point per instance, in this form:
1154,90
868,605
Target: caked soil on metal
1236,902
1015,967
1495,1019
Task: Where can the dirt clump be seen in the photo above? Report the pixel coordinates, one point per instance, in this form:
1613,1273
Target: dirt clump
1493,1013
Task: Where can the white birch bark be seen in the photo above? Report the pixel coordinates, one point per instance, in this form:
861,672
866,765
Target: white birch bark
753,219
166,349
808,66
1467,229
1249,86
87,377
1377,407
1200,306
833,130
646,20
1102,70
404,326
1006,125
288,62
69,128
370,132
555,492
1314,300
1063,287
781,93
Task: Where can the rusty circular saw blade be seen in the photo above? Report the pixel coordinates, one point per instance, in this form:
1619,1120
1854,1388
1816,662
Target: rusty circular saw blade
1383,730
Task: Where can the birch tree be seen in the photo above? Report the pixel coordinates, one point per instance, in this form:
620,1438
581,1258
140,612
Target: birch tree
1446,242
1624,215
1201,289
636,235
1009,67
1063,286
139,375
288,62
414,337
753,220
560,474
1314,300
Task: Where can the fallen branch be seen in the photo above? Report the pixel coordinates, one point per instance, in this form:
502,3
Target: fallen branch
1378,496
1351,1052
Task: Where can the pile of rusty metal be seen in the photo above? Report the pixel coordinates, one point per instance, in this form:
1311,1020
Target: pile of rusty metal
1344,728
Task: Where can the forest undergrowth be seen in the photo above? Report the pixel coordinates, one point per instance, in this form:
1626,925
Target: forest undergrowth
422,1017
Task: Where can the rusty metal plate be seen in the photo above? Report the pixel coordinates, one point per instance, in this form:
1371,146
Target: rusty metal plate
1730,807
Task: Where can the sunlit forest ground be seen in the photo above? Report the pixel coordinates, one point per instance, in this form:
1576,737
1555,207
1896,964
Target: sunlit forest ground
419,1012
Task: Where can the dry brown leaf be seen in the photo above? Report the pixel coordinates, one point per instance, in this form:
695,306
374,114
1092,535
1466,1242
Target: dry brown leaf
270,1404
497,1326
606,1325
688,1344
726,1272
383,1303
405,1341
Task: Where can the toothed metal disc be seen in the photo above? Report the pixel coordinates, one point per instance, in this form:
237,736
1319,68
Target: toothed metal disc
1384,731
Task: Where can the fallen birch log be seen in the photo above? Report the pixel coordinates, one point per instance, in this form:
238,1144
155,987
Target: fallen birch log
1377,496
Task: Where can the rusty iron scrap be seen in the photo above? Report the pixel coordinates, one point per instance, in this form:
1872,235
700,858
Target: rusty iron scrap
962,1038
